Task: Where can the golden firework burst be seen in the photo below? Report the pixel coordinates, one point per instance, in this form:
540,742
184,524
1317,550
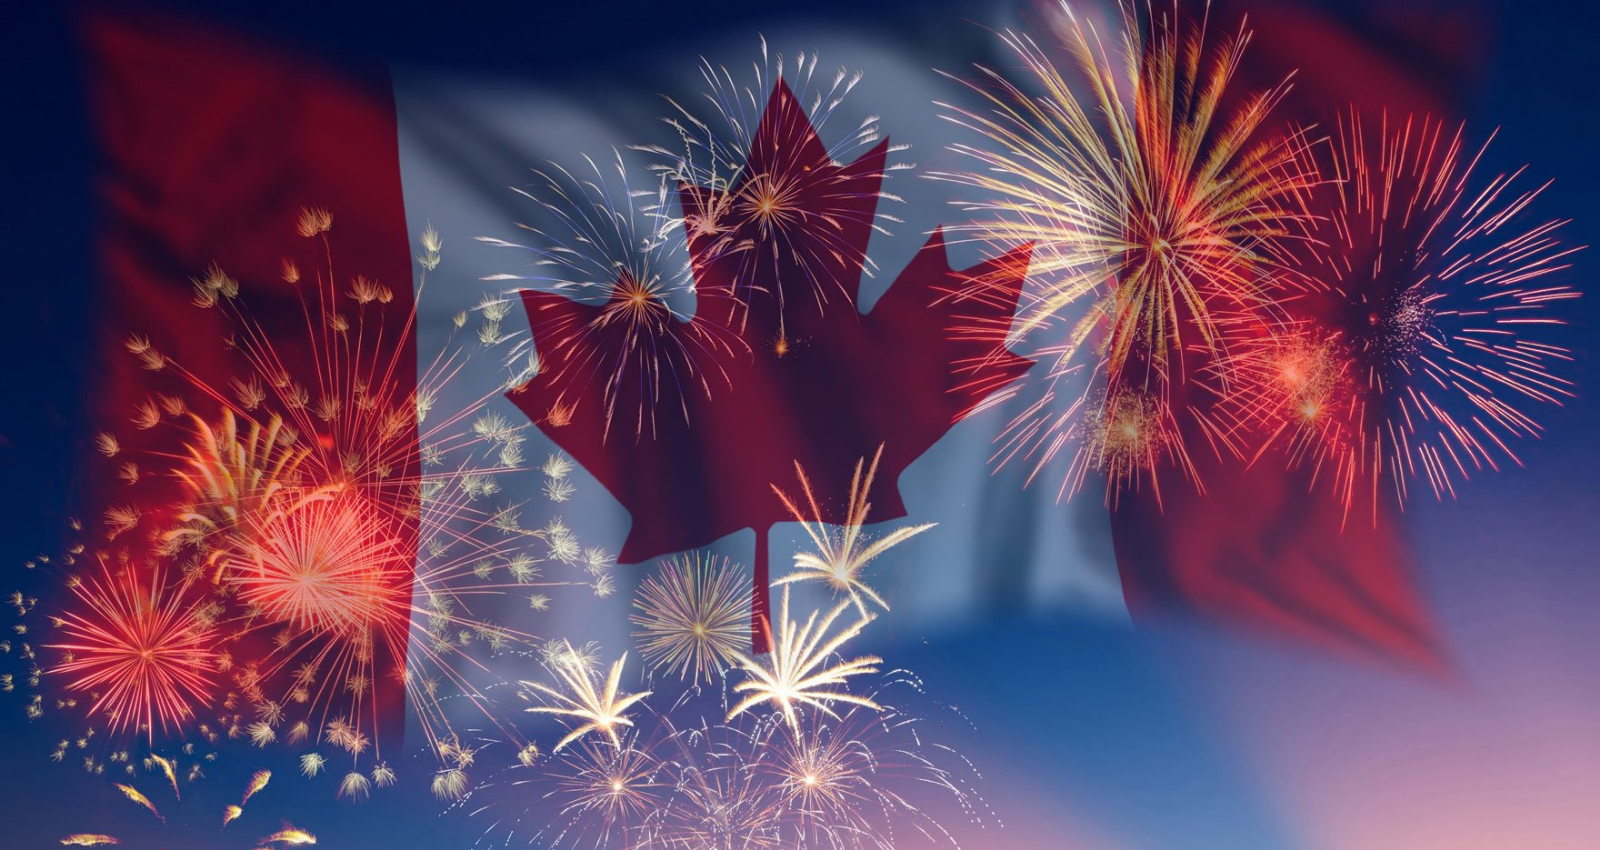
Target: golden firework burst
693,616
1150,203
598,707
841,555
800,669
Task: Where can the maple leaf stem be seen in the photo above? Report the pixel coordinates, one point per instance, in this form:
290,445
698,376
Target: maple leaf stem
760,595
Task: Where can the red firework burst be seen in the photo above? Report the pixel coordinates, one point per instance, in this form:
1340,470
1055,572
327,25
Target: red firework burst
140,646
326,564
1418,305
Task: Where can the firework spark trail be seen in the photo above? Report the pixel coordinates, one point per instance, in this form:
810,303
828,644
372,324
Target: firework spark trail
289,835
258,781
168,769
1149,205
841,557
641,346
89,839
138,644
1420,306
692,616
133,795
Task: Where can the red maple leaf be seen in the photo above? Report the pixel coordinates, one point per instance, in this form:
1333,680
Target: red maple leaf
778,259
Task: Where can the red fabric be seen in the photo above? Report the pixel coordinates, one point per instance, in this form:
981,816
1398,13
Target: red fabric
1261,547
210,146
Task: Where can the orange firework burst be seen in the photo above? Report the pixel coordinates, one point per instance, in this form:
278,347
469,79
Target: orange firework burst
140,646
231,476
1121,435
1419,309
1150,206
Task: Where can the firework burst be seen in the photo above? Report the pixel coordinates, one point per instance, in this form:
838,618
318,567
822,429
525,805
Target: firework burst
326,564
841,556
599,707
693,616
140,646
759,191
721,799
608,793
801,669
1150,206
854,781
639,345
232,476
1419,308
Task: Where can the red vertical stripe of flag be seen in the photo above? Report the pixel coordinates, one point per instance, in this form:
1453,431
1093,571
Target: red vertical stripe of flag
210,145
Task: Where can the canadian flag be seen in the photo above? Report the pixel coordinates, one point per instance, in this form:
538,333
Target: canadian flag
212,143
